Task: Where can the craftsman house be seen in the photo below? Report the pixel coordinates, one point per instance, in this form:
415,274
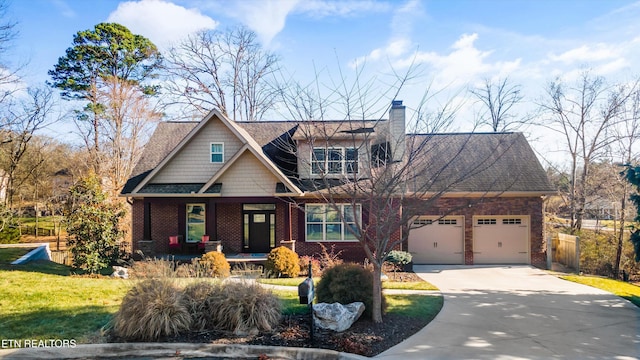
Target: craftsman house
252,186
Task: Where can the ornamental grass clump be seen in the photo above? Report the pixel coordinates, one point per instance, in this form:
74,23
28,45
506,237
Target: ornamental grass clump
246,307
347,283
283,262
200,299
152,309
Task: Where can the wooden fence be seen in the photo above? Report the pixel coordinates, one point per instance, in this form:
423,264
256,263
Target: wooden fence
65,257
567,251
36,231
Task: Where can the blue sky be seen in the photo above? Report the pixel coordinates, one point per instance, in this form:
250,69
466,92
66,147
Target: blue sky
456,43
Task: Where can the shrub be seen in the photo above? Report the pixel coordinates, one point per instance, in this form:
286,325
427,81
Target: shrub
397,257
347,283
216,263
283,262
93,226
329,258
10,235
9,229
315,266
152,309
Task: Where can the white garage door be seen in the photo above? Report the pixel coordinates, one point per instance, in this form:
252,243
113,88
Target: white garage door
501,240
434,240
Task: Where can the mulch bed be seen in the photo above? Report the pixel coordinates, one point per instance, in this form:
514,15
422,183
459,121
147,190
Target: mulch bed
364,337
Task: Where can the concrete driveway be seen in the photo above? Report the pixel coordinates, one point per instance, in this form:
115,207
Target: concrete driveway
520,312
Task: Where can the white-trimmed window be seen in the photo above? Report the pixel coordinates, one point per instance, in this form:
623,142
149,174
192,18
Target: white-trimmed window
324,223
334,161
217,152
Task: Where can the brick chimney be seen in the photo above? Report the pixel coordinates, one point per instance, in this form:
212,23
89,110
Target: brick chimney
397,130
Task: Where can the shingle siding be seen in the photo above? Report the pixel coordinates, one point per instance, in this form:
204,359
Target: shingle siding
193,163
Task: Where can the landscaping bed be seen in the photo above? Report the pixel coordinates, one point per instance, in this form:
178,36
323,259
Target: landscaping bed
407,314
364,337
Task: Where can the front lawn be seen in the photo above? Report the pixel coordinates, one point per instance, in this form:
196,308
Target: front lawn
39,305
42,300
616,287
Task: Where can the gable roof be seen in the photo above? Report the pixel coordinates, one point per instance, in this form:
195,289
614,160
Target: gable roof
153,163
453,163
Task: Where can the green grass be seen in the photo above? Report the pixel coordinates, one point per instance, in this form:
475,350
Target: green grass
44,222
418,306
8,255
285,281
398,285
36,303
42,300
616,287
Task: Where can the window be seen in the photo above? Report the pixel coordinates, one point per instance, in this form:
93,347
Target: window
486,221
447,222
334,161
380,154
217,152
324,222
511,221
195,222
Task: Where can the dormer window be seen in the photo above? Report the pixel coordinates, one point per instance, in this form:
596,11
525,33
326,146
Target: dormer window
217,152
334,161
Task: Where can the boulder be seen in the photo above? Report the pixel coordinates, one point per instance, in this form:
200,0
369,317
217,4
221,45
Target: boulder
337,317
120,272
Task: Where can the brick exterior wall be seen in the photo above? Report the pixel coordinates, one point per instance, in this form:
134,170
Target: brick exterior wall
531,206
166,220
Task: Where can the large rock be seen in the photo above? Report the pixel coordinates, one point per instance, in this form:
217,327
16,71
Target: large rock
336,316
120,272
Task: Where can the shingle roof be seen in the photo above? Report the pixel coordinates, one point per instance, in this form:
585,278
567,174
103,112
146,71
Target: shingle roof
166,136
462,162
477,162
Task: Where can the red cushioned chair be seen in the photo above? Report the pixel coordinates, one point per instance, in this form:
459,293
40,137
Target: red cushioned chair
174,243
202,244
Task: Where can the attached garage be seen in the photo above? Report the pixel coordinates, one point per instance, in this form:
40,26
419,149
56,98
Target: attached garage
435,240
501,240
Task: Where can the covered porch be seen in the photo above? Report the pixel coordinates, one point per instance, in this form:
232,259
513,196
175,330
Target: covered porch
241,228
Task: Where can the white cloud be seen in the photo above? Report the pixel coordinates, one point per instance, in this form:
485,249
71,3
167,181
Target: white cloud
585,53
465,63
266,17
394,49
162,22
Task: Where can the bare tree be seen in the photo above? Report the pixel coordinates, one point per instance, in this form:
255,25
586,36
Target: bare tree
627,135
131,118
583,114
21,120
227,70
498,99
9,79
373,179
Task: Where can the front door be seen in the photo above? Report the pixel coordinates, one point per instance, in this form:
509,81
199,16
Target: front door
259,227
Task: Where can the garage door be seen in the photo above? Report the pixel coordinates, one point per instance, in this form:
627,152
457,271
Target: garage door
501,240
434,240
